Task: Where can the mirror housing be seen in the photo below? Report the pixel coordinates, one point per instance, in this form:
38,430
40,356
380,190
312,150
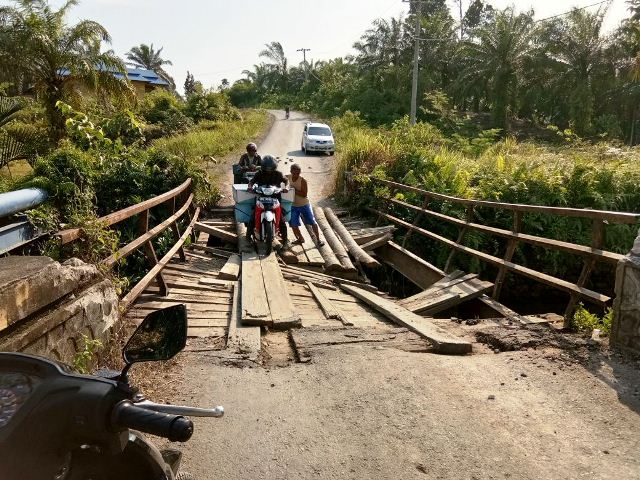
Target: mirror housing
160,336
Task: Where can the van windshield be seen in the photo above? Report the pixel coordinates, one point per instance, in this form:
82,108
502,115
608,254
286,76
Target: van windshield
320,131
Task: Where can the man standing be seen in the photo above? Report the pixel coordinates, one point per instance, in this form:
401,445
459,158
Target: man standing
301,207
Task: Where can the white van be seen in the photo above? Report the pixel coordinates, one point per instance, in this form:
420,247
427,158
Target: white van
317,137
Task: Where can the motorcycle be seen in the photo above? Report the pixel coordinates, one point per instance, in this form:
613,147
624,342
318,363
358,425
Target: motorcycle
267,216
286,115
56,424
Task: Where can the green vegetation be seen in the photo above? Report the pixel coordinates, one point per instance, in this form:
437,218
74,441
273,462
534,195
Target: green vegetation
578,175
500,68
83,359
91,144
583,321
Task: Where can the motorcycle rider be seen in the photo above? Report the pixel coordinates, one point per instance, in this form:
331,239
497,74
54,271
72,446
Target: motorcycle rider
286,111
249,161
270,175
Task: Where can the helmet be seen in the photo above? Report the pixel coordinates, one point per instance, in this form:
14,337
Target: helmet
252,147
269,164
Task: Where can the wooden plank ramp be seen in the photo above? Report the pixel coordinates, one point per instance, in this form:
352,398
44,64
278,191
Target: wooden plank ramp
265,300
443,341
241,338
231,269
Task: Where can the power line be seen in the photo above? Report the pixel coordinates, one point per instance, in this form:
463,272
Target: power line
573,10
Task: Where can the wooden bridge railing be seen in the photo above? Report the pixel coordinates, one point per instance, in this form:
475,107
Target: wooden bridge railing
590,254
180,198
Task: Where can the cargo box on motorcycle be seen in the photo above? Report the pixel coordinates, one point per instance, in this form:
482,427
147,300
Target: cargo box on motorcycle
245,203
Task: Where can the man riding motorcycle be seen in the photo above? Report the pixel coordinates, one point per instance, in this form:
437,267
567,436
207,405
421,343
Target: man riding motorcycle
270,175
249,161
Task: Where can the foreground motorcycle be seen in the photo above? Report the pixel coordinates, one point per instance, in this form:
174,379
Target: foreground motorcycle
267,216
56,424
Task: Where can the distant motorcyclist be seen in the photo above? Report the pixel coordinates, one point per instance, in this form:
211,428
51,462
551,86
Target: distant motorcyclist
249,162
286,111
270,175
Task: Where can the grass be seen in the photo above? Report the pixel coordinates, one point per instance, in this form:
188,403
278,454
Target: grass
216,139
15,171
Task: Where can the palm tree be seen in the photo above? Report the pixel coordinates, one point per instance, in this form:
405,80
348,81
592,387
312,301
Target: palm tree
56,59
498,55
144,56
580,56
275,53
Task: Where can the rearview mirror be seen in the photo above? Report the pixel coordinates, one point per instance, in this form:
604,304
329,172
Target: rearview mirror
160,336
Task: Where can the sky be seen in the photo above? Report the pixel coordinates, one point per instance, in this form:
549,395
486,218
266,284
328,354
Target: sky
216,39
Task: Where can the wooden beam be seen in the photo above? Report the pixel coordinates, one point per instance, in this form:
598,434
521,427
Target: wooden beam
217,232
72,234
612,217
378,242
354,249
283,314
443,341
327,307
231,269
573,248
255,306
215,252
333,241
419,271
135,292
245,340
555,282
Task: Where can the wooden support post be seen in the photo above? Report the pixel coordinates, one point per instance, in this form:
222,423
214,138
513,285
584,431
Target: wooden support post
416,220
597,241
511,249
150,253
176,229
461,235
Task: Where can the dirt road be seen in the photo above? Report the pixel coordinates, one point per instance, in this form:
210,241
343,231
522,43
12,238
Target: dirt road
371,412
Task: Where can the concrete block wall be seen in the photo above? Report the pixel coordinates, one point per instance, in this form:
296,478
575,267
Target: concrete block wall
625,331
66,301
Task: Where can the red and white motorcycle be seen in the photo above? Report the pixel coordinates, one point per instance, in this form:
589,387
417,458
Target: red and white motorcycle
267,216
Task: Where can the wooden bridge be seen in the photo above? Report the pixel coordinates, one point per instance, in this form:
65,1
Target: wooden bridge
234,294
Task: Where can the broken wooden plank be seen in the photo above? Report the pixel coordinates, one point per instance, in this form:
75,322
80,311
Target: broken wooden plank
231,269
254,303
416,269
241,338
377,242
215,252
365,235
217,232
328,308
436,300
329,278
443,341
439,302
435,290
282,312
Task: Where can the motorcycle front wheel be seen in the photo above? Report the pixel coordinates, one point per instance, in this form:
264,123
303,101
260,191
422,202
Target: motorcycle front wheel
269,230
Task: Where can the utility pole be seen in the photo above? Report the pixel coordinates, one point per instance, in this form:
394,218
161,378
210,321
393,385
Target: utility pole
304,59
416,59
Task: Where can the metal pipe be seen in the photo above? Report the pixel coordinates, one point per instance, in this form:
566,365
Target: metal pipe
21,200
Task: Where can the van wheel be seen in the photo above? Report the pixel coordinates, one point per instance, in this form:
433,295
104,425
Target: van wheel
331,153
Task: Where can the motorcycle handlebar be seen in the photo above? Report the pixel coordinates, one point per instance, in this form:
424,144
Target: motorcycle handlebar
176,428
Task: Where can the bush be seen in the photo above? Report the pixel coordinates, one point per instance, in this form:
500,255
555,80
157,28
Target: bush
211,106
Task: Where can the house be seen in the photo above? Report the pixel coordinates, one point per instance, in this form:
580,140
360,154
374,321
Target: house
143,81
